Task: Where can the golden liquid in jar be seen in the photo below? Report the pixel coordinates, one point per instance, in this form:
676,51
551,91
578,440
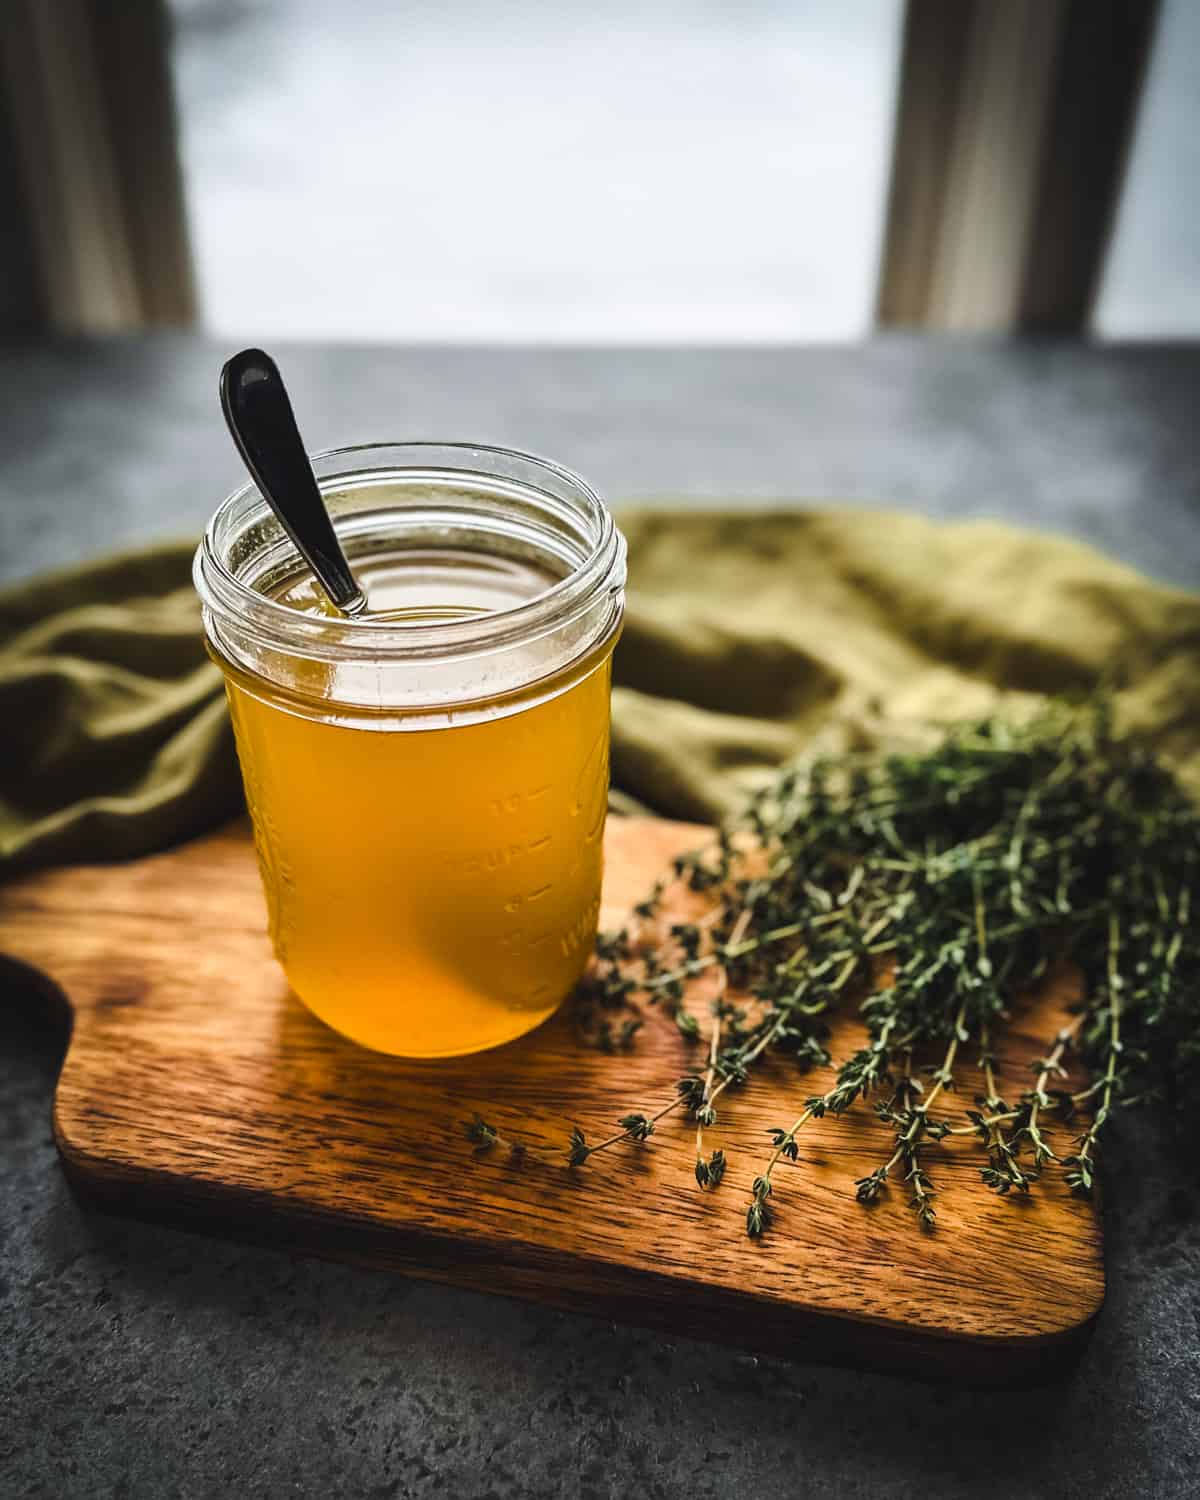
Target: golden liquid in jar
432,891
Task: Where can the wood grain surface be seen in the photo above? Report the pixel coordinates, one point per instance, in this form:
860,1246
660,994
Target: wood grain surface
196,1089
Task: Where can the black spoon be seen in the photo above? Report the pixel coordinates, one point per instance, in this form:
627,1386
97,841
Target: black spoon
260,417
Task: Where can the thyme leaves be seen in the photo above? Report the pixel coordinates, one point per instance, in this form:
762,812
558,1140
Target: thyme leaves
922,891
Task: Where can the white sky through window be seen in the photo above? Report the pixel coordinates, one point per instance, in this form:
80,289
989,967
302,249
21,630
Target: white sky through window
545,171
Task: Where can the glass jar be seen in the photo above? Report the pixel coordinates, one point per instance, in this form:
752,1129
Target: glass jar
428,782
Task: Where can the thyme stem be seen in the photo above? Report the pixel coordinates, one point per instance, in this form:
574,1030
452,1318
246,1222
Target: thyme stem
705,1114
969,866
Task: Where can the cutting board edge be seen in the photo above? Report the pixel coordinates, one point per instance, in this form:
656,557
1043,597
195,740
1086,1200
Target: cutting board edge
65,986
575,1284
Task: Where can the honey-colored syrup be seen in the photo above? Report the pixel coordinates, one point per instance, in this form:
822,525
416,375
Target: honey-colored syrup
432,891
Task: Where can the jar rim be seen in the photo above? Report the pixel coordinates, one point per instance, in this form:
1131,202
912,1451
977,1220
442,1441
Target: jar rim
229,601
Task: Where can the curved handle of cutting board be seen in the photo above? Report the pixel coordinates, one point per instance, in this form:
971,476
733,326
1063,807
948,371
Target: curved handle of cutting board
25,987
92,936
45,963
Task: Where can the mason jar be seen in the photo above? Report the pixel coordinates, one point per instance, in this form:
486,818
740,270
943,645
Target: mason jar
428,782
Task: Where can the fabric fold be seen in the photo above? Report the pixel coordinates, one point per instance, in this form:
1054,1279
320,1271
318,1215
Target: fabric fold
749,638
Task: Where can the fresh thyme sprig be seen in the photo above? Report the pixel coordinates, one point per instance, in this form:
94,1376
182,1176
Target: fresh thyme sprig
485,1137
929,889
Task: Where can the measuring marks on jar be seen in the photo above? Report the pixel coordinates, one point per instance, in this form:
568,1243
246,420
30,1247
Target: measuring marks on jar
549,872
528,891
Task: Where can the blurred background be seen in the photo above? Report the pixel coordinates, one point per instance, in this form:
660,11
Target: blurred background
638,172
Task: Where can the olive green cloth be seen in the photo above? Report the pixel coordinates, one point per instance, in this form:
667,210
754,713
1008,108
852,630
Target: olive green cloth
749,637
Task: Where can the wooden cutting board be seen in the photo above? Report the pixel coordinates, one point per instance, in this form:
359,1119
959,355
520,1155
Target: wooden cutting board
196,1089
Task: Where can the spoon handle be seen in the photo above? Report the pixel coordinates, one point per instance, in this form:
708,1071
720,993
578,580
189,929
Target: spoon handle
263,425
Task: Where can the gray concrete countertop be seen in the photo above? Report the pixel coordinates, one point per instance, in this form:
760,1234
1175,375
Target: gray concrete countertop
137,1361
